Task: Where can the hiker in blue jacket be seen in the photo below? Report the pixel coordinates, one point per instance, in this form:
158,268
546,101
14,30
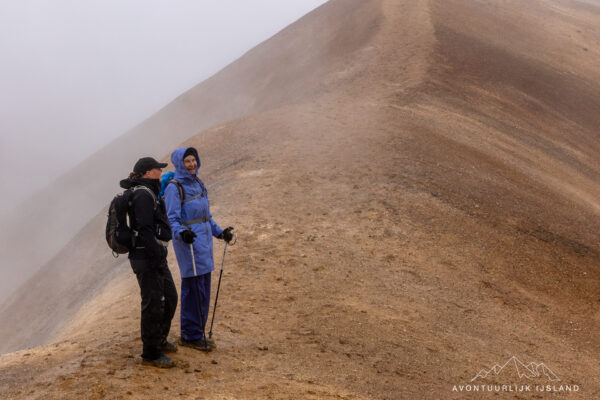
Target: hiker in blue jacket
193,229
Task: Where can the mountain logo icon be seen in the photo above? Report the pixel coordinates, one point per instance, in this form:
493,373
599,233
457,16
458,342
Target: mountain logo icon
514,367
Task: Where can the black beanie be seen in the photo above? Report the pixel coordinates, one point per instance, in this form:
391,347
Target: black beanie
190,152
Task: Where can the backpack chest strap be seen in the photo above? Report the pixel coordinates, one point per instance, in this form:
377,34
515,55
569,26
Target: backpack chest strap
195,221
192,198
182,197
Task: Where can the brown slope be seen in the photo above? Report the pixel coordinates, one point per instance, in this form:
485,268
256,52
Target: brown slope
427,219
505,137
285,69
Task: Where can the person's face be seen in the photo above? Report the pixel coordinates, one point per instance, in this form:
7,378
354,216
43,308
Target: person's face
190,164
153,173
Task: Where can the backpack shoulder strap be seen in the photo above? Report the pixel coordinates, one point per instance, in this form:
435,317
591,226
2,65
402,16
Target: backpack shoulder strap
179,189
147,190
202,187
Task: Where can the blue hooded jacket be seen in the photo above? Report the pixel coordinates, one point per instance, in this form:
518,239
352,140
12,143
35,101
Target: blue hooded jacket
196,258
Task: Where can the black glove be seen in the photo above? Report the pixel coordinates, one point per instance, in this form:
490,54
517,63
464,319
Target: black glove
188,236
226,235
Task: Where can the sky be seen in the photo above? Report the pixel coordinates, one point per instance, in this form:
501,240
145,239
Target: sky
75,75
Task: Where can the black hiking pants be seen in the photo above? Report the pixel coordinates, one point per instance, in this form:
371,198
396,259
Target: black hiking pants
159,301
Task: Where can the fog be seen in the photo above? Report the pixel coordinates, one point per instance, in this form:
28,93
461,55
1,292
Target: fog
75,75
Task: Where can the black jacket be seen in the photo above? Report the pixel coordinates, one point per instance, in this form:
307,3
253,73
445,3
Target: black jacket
149,218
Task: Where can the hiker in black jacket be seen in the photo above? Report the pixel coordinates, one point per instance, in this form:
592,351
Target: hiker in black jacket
148,260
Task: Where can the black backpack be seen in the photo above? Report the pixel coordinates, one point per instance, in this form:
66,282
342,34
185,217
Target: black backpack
119,234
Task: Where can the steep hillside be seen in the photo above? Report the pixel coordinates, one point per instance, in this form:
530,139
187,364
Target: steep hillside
301,61
309,58
429,212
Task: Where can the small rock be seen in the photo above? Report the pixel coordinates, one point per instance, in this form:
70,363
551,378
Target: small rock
214,362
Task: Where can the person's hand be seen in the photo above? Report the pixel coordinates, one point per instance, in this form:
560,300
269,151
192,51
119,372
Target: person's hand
188,236
227,235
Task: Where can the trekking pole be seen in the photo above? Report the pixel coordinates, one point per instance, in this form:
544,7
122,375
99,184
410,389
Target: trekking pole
201,313
217,295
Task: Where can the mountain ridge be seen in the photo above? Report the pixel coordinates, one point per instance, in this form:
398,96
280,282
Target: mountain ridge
431,207
231,93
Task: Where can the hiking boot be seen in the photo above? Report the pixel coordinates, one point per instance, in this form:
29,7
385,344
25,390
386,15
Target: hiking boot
199,344
168,347
160,362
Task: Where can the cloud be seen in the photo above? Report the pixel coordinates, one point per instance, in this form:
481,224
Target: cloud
76,75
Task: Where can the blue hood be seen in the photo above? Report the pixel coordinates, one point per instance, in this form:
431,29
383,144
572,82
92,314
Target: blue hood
177,160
